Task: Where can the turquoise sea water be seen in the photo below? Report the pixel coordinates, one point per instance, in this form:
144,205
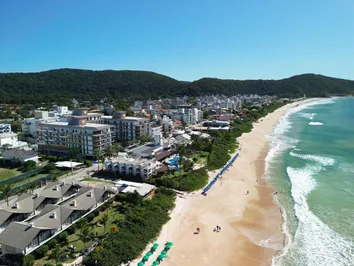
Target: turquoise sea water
311,165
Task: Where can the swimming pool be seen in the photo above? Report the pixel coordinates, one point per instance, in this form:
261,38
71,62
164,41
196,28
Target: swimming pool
174,160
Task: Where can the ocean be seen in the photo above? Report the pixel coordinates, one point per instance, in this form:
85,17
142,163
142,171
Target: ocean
311,167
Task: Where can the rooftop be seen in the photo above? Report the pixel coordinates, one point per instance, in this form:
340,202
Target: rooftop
146,150
66,124
142,188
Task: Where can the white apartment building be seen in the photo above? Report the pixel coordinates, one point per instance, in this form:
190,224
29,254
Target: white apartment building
187,114
58,138
127,128
5,128
29,127
133,167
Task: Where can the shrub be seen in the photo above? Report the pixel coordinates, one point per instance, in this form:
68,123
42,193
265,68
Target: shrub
63,237
96,212
28,260
90,217
88,163
41,251
52,243
81,222
72,229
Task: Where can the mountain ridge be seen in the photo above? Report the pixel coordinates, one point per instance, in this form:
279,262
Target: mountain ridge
65,83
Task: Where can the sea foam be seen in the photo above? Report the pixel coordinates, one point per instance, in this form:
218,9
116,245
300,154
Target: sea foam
314,242
324,161
315,124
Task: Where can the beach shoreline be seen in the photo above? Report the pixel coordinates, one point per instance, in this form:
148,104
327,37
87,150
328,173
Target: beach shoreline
251,222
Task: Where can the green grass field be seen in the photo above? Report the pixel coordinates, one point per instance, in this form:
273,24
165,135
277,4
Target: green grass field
8,173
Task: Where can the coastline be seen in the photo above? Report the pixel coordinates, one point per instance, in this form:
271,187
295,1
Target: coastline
251,223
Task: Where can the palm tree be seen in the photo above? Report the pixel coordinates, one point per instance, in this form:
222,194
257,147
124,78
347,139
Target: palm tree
116,148
108,151
104,221
6,191
85,234
54,177
21,190
32,186
56,255
98,154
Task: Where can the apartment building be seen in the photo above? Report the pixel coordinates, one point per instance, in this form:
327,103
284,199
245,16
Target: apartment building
58,138
29,127
51,218
127,128
133,167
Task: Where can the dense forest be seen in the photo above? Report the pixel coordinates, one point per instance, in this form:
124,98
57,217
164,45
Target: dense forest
63,84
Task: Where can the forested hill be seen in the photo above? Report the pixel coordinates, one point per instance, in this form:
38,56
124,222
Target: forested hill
62,84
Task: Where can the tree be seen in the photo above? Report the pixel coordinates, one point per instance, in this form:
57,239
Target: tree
50,167
56,255
32,186
98,154
116,148
21,190
104,221
73,152
144,139
41,251
54,177
28,165
108,151
28,260
85,234
6,191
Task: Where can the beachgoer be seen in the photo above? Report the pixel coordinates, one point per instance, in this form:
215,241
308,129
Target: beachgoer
247,192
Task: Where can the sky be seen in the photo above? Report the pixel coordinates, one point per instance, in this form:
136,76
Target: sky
183,39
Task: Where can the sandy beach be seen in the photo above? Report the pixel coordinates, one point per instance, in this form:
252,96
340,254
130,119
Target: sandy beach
250,224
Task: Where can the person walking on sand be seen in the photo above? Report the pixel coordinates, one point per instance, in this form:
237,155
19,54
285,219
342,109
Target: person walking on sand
247,192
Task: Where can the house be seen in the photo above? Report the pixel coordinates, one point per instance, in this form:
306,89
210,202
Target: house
145,190
26,205
125,165
26,236
19,156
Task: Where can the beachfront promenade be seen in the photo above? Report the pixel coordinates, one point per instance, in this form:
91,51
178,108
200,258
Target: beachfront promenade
206,189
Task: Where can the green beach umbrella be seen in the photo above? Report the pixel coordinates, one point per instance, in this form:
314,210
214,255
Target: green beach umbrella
160,257
146,257
155,246
169,244
155,263
141,263
164,252
148,254
167,247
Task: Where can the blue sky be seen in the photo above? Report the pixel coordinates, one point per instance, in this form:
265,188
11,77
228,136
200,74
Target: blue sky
184,39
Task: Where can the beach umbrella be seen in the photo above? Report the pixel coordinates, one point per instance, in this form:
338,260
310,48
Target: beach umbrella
167,247
164,252
156,262
169,243
160,257
146,257
148,254
140,263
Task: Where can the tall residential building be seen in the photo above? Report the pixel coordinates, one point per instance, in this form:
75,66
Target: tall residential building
29,127
59,138
127,128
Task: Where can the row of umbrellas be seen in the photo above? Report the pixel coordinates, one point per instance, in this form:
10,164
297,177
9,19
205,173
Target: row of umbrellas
159,258
205,190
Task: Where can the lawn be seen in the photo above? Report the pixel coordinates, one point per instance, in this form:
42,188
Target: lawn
97,180
6,173
202,157
97,230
